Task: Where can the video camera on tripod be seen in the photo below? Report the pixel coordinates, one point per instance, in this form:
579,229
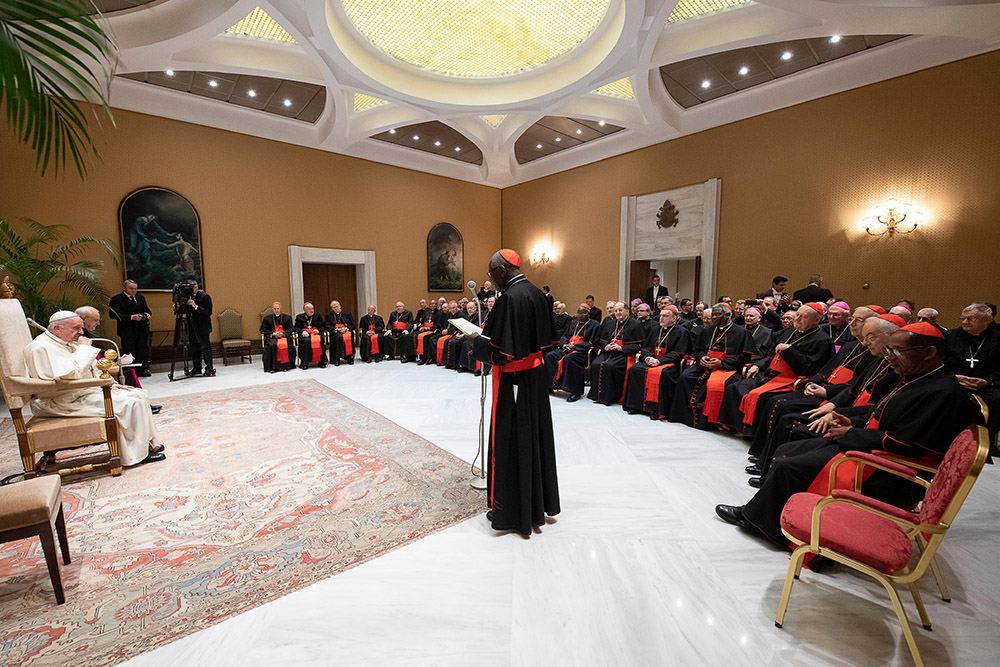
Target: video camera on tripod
181,292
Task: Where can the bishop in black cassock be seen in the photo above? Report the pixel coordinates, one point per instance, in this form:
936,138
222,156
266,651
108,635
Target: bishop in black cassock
565,366
973,353
521,475
309,327
658,366
398,337
619,339
340,324
279,353
919,419
372,326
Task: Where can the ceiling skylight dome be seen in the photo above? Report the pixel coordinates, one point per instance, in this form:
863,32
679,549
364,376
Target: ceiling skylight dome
476,38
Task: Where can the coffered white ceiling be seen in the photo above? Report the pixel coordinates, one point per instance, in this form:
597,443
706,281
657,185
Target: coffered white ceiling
490,78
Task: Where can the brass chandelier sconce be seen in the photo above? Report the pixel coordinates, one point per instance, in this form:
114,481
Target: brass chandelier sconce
891,218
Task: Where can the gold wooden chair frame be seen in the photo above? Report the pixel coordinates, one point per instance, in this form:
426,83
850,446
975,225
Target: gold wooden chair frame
928,536
231,333
47,435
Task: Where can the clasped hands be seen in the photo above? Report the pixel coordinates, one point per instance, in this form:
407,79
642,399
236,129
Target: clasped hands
825,420
709,362
971,383
611,347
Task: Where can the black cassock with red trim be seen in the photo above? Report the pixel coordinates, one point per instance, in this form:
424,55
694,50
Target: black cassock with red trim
521,461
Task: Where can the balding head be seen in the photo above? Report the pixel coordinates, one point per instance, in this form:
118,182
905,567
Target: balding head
929,315
807,318
91,317
903,312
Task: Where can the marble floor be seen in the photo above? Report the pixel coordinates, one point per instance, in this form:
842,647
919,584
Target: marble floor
637,570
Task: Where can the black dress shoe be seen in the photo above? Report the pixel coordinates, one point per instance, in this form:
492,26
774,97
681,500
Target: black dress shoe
421,362
304,367
403,360
155,409
654,417
210,373
730,513
574,398
489,516
191,373
754,470
756,482
632,412
322,365
152,458
753,459
156,450
350,362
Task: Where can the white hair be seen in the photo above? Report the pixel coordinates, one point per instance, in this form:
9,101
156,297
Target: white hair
88,311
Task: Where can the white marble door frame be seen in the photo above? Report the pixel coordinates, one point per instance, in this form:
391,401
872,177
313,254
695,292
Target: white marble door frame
363,261
709,240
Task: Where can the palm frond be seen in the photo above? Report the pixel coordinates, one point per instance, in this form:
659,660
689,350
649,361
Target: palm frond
53,53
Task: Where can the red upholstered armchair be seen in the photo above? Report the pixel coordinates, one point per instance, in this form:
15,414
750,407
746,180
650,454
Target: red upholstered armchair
876,538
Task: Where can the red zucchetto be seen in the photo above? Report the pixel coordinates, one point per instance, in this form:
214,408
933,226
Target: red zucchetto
923,329
818,307
878,309
512,257
895,319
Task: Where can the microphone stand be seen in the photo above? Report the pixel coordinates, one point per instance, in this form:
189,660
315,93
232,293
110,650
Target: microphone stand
479,480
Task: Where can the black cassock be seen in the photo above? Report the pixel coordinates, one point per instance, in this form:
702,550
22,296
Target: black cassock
371,323
918,419
835,376
453,346
808,352
521,475
398,338
607,371
466,360
270,354
978,356
668,346
443,328
857,400
761,336
841,335
564,322
426,326
307,354
339,346
565,369
733,345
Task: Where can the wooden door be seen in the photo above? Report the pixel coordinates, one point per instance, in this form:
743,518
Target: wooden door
641,278
322,283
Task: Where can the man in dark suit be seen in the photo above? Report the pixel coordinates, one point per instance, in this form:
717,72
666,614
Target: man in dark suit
595,312
814,291
777,292
199,309
655,292
548,297
130,311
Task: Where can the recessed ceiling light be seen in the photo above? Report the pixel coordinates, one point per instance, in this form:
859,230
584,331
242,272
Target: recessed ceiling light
252,93
787,55
706,84
437,143
601,123
170,72
213,83
558,138
287,103
579,131
458,149
416,137
392,131
835,39
744,71
539,147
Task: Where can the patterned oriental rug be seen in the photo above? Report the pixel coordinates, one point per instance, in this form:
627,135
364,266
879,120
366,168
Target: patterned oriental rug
266,489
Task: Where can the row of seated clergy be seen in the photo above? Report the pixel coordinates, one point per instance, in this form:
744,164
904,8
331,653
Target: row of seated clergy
311,332
918,418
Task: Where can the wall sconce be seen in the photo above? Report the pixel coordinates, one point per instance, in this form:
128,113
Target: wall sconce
541,254
888,219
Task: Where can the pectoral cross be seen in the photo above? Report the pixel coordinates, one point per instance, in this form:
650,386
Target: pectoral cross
972,360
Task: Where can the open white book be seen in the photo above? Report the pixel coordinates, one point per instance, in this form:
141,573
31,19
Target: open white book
466,327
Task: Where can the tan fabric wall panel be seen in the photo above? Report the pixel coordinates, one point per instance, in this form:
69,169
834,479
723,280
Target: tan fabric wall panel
255,198
795,184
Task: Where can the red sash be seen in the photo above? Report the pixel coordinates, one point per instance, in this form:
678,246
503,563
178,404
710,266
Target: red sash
399,326
533,360
282,345
845,473
316,343
629,362
864,398
844,375
348,344
420,339
715,388
573,340
373,339
786,378
440,347
653,377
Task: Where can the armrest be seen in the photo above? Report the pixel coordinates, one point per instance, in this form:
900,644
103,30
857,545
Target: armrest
896,512
905,460
865,459
35,387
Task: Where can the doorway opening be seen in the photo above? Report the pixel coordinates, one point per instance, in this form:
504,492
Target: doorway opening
681,277
322,283
320,275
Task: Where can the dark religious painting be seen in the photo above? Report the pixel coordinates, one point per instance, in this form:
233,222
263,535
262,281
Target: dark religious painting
445,259
161,239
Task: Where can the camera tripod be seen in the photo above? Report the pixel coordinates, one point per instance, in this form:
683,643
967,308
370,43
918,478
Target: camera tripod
181,343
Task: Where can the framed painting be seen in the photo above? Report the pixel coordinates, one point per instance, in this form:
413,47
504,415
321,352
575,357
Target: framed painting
161,239
445,259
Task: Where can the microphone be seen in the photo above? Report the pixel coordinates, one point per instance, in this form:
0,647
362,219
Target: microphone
471,285
35,324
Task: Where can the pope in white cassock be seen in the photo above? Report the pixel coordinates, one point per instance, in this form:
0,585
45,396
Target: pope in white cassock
63,353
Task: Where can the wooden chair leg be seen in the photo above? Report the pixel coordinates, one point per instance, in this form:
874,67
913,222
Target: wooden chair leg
61,532
49,548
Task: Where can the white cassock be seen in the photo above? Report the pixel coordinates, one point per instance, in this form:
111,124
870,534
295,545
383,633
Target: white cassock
49,358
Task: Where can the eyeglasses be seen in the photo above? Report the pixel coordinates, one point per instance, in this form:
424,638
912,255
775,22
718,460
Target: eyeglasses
856,319
897,351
